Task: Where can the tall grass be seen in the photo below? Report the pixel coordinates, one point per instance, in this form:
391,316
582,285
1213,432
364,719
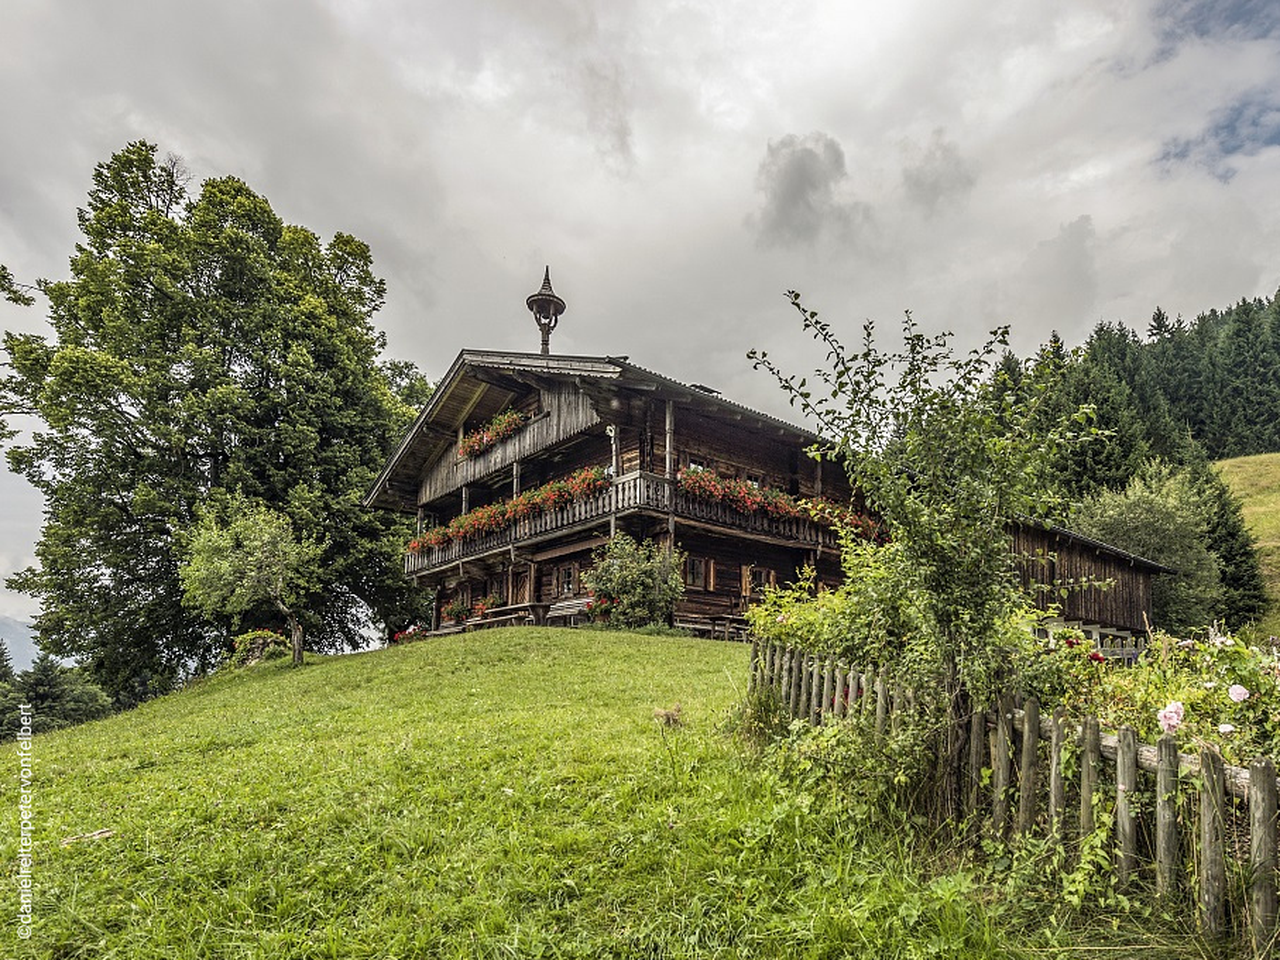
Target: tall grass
1256,480
501,794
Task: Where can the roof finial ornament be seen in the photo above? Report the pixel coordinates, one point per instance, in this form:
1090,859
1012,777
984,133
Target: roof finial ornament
546,308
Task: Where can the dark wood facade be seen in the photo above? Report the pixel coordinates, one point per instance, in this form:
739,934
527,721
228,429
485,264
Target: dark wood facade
643,429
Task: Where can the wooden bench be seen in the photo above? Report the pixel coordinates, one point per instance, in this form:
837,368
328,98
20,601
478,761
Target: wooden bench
568,610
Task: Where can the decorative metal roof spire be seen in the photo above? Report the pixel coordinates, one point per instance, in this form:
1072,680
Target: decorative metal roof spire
546,308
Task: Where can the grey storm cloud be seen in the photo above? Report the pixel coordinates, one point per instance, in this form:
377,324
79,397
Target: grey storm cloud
1058,283
939,175
800,177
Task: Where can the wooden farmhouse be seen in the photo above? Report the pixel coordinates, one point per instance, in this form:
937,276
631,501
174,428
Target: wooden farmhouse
598,445
521,464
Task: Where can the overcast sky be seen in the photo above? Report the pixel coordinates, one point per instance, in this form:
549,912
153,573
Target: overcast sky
681,165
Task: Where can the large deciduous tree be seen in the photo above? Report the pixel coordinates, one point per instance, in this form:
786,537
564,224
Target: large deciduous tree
200,345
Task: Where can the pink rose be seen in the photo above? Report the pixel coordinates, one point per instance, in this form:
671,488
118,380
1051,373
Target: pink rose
1238,693
1170,717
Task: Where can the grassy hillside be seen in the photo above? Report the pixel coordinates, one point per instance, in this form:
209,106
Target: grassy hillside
1256,480
498,794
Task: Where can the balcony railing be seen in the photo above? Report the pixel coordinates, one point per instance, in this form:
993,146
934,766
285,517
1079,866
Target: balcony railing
635,492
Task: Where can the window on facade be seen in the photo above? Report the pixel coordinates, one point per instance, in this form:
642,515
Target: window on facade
699,573
755,479
756,579
698,463
565,580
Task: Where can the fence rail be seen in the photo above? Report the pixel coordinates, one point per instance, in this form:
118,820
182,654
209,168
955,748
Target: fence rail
1174,815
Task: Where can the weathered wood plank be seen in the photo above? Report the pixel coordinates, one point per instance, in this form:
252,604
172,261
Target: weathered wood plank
1262,856
1126,825
1090,761
1057,785
1167,848
1000,764
1213,872
1027,766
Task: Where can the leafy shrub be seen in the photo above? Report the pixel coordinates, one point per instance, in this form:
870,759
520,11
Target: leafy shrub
635,583
257,646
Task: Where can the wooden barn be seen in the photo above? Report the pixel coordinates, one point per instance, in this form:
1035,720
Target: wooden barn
521,464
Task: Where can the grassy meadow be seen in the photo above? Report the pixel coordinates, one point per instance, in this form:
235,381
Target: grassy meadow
498,794
1256,480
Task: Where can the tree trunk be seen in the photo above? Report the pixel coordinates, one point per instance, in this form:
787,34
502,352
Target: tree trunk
295,632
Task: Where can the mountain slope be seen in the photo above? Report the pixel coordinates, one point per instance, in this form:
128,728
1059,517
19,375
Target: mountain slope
21,641
1256,480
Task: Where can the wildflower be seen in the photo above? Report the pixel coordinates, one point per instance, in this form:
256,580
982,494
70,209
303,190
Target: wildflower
1210,684
1186,643
1226,728
1171,716
1238,693
1096,657
1071,641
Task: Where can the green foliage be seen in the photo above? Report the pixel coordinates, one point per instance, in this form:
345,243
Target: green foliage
6,664
1161,516
258,646
635,583
243,556
59,697
947,455
200,344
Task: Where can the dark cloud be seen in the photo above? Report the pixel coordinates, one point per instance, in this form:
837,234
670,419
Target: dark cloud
939,175
800,177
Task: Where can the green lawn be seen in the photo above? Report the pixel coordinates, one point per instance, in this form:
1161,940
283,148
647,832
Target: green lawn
496,794
1256,480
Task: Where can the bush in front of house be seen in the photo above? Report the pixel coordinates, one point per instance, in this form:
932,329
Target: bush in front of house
635,583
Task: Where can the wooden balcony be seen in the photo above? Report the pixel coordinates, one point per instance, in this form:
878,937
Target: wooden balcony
630,494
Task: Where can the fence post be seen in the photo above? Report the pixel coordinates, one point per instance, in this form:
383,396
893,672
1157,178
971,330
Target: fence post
1000,768
1126,783
882,705
815,690
828,686
1262,841
841,704
977,740
1090,759
1213,874
806,688
770,666
794,683
1167,855
868,685
1027,769
1057,788
753,680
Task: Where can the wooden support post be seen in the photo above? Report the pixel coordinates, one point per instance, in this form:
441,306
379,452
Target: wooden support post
1126,825
1262,842
1000,768
1090,760
671,470
1057,786
1027,769
841,704
977,758
1167,856
1213,871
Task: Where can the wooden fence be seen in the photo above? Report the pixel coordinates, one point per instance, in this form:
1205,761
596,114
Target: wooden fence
1182,823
